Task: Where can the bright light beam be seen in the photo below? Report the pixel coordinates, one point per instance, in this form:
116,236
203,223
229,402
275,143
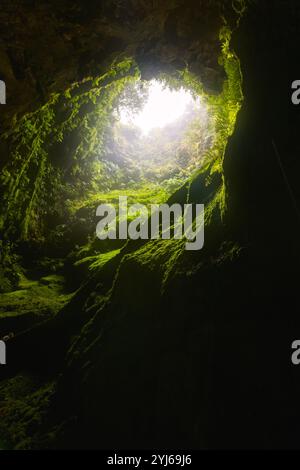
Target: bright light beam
162,107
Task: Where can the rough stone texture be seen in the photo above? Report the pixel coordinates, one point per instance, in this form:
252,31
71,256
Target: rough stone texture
207,365
47,45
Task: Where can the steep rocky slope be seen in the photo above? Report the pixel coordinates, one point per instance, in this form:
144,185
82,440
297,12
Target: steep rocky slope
160,347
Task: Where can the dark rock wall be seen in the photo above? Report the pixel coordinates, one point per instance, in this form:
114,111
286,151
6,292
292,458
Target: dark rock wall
261,171
206,363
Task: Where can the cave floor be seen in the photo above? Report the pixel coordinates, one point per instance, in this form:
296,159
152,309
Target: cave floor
34,300
24,398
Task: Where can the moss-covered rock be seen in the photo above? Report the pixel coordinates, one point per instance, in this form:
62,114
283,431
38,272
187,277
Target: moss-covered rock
115,346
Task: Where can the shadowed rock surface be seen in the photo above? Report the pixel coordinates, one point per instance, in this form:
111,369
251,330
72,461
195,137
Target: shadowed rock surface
158,347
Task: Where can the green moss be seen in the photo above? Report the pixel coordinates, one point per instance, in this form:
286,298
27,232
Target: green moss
224,107
97,262
32,302
23,404
30,179
205,186
144,194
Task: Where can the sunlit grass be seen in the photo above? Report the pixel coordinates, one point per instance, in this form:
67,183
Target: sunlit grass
146,194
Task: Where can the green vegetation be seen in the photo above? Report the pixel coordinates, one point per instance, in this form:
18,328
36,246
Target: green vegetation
97,262
31,303
66,159
23,404
34,178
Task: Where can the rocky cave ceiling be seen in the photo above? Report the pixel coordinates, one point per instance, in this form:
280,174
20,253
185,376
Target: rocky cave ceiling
46,45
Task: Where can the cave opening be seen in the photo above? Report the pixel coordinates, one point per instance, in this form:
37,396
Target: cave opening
113,135
89,142
158,135
140,343
164,131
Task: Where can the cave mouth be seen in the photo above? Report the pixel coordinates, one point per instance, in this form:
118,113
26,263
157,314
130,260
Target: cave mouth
102,301
75,152
161,105
64,159
159,134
